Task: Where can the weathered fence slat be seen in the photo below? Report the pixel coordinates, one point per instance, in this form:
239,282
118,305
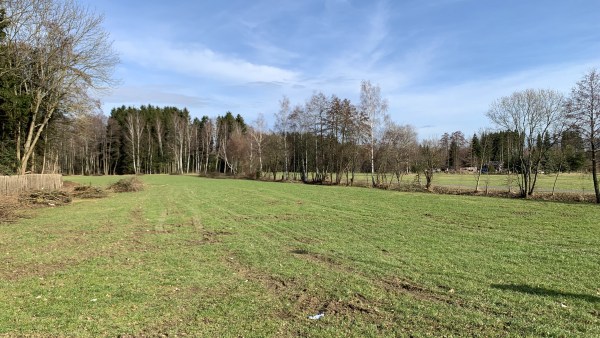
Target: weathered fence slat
14,185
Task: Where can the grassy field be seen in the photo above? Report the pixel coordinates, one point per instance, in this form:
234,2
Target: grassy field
566,182
220,258
575,182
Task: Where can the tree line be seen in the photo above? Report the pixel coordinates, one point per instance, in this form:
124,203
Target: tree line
54,53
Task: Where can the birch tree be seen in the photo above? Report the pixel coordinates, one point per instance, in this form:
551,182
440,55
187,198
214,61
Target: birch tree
258,132
538,117
179,125
374,108
134,125
282,124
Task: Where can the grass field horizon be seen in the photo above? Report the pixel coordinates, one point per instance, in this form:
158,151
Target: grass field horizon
197,256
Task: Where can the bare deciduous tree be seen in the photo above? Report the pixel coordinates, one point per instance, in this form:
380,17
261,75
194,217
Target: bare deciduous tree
60,52
584,112
401,141
315,116
538,117
430,159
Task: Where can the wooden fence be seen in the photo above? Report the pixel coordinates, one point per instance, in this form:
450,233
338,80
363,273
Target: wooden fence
14,185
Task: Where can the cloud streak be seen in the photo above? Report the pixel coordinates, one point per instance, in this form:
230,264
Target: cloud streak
462,106
200,62
148,94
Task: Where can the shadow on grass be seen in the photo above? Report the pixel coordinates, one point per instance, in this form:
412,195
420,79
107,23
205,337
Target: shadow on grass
545,292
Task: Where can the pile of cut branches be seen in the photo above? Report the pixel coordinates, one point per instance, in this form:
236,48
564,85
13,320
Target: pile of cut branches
48,198
88,191
131,184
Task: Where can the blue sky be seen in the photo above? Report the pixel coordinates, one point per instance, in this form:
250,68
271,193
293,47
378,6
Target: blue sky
439,63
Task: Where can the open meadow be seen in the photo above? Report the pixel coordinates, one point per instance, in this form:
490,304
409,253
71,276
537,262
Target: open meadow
222,257
579,183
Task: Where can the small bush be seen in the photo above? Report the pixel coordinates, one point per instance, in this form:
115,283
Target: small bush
131,184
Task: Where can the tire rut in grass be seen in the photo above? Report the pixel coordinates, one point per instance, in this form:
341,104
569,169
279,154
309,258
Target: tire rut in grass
397,285
391,284
206,236
304,300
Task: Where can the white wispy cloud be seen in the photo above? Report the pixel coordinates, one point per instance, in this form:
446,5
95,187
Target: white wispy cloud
462,106
200,62
154,93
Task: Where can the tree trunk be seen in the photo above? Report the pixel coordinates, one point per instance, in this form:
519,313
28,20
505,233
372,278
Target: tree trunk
33,134
595,173
372,161
555,179
428,179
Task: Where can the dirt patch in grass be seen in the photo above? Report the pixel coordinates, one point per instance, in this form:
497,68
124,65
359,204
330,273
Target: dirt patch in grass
305,301
131,184
16,273
210,237
299,251
318,258
306,240
415,290
390,285
308,303
213,236
271,283
137,215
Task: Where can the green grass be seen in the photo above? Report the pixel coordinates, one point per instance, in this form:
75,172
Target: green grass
219,257
575,182
566,182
